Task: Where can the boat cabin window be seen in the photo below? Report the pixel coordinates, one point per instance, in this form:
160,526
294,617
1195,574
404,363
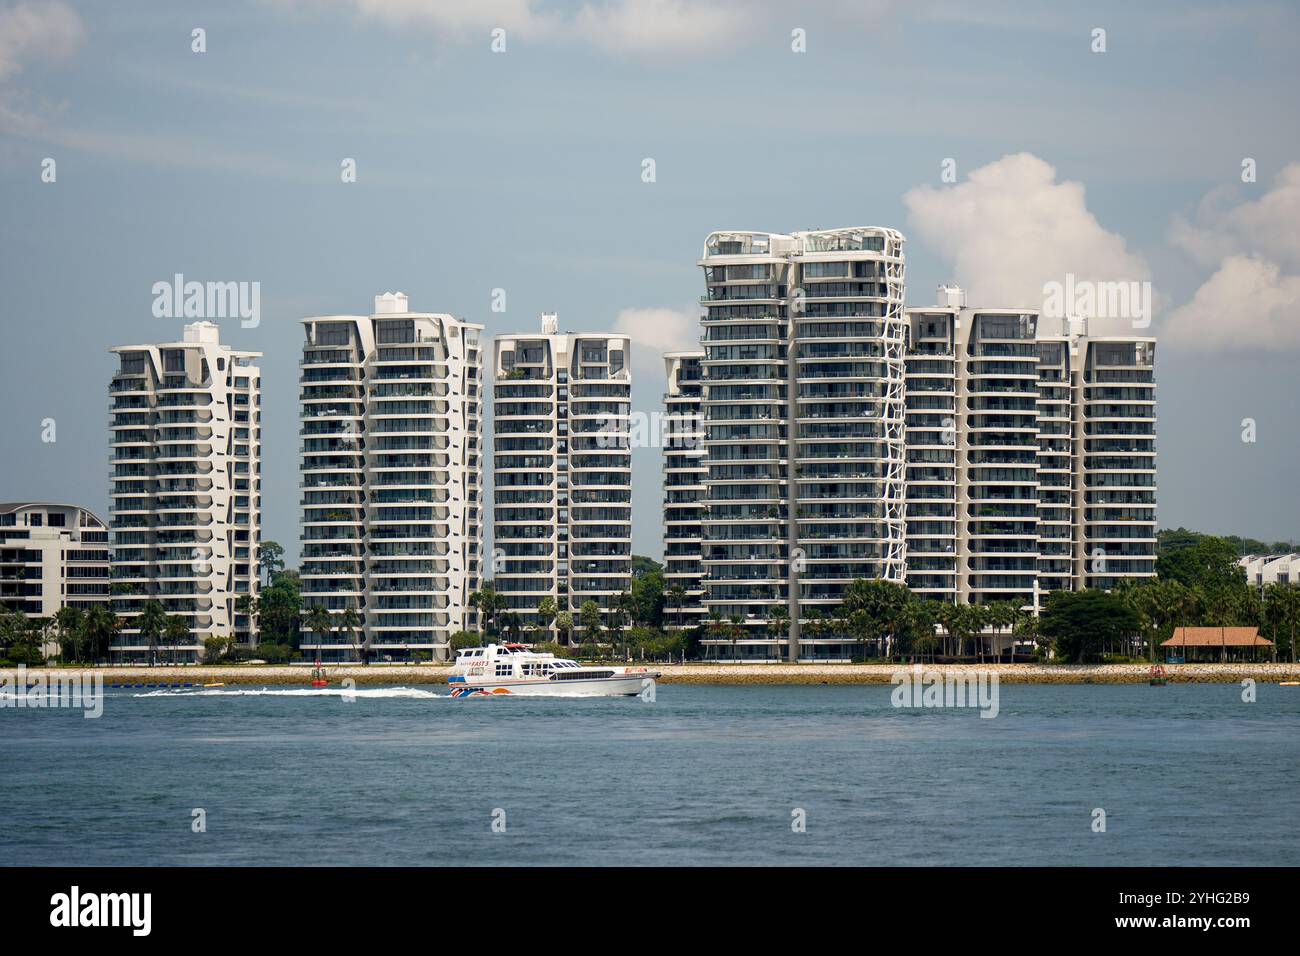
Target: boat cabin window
585,675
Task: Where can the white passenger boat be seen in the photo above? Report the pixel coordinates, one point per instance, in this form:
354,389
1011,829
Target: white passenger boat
512,669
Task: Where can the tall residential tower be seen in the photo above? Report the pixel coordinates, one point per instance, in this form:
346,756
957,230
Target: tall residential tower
186,487
684,474
391,480
562,522
1031,453
804,424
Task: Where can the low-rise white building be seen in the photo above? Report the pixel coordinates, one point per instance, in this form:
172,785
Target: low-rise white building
52,556
1265,569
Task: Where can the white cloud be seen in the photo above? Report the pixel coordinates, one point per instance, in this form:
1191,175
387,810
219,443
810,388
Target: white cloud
641,27
1266,226
654,332
37,31
1249,303
457,17
1011,227
1252,300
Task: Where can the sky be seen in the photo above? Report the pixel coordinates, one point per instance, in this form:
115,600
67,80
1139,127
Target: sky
503,145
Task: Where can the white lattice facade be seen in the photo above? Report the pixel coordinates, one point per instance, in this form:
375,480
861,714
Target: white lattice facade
803,402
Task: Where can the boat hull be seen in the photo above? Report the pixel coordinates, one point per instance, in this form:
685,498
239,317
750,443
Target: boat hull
631,685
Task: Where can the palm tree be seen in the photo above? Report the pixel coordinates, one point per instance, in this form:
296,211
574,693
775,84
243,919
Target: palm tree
489,605
624,609
1282,613
921,617
176,631
70,623
778,621
349,621
677,599
735,632
11,629
150,622
100,625
589,619
564,624
977,618
1026,628
319,623
547,611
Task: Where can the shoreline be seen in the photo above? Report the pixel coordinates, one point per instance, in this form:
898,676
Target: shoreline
719,674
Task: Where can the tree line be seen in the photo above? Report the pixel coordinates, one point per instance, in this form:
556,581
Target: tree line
1197,583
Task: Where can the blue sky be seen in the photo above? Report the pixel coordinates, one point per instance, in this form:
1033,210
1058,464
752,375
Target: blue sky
521,170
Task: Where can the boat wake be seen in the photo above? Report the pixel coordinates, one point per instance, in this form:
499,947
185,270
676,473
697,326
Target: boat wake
374,693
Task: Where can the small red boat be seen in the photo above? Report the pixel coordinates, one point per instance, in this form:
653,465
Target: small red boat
318,676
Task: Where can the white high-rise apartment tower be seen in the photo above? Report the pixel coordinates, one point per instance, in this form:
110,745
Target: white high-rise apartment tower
684,475
1031,453
186,487
562,521
804,426
391,479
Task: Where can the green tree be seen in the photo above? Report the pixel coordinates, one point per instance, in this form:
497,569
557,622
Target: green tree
1207,562
642,565
716,630
71,625
648,598
27,646
874,610
547,611
319,623
564,624
246,605
463,639
12,626
1082,624
1282,615
675,598
350,625
279,610
490,605
150,622
778,621
622,615
589,618
176,631
100,626
270,560
735,633
921,639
